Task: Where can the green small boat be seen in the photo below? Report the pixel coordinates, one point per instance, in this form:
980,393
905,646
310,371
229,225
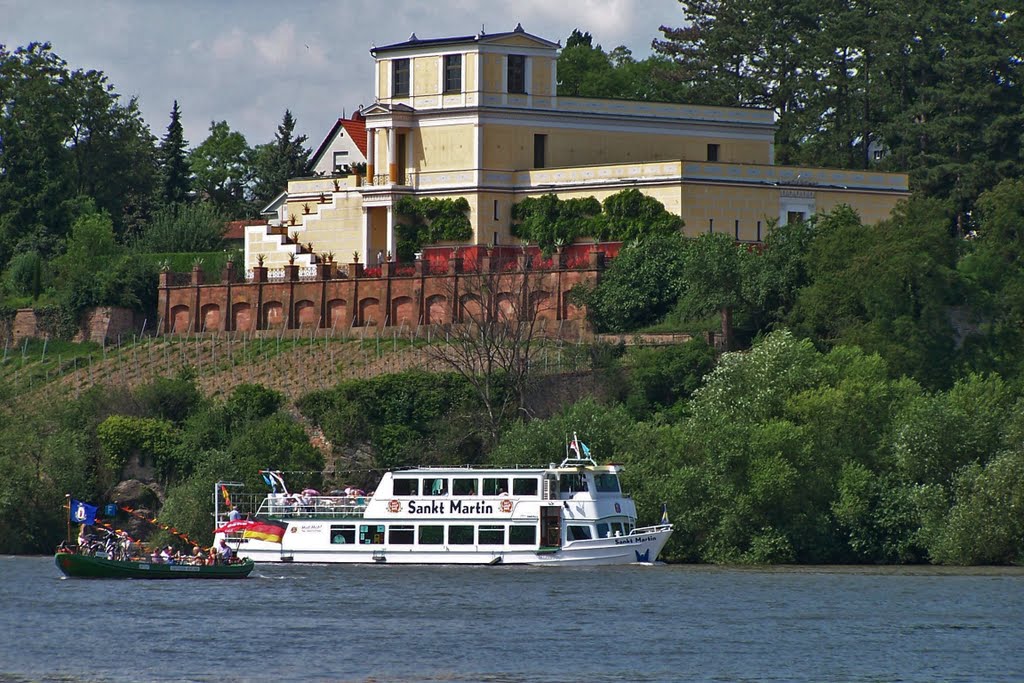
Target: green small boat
94,567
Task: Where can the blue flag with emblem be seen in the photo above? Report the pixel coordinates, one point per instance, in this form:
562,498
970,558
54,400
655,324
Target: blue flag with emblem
82,513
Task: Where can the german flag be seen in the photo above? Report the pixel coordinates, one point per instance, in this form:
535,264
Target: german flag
264,530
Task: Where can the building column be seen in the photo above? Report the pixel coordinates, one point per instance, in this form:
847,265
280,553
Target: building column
371,139
391,233
366,236
392,155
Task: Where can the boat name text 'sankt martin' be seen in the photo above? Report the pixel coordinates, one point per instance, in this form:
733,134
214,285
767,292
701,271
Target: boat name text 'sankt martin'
573,513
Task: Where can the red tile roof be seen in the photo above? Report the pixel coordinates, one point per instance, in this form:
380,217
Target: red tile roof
356,128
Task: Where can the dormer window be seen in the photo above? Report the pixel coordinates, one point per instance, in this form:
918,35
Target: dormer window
400,78
516,74
453,73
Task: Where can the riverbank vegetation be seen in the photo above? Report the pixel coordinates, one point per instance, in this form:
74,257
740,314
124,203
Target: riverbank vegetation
864,404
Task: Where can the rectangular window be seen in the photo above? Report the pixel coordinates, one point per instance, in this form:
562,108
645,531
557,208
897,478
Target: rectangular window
400,78
495,209
495,486
407,487
603,530
453,73
524,487
435,487
539,143
606,482
492,535
712,152
340,160
794,217
759,231
737,230
432,534
463,487
371,534
577,532
460,534
520,534
517,74
343,533
572,483
711,225
400,535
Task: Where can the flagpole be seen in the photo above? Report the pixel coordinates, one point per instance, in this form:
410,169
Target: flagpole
67,517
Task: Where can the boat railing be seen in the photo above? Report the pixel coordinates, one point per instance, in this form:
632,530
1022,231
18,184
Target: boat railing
296,507
657,528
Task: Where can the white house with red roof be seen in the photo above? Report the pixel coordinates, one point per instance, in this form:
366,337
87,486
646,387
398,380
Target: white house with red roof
345,145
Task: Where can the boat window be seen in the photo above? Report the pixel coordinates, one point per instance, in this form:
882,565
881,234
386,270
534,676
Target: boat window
460,534
343,533
435,487
606,482
521,534
524,487
371,534
492,535
495,486
406,487
400,534
572,483
464,487
603,530
577,533
431,534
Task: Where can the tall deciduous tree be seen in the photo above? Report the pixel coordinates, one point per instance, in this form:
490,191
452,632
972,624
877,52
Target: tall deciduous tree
276,162
65,136
174,167
221,168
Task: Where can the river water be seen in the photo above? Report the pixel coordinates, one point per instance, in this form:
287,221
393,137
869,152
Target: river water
501,624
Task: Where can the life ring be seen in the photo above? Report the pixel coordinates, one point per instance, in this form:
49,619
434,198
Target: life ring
395,506
506,506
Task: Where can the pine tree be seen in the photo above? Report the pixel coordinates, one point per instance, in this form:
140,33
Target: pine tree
174,161
277,161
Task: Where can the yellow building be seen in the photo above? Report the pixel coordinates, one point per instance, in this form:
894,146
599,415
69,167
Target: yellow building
480,117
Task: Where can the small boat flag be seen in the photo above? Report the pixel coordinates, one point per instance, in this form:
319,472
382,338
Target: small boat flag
224,492
265,531
82,513
664,513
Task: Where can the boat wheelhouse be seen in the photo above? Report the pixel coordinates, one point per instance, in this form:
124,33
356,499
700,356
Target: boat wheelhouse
572,513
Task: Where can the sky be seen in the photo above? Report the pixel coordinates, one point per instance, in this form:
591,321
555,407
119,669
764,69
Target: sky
246,61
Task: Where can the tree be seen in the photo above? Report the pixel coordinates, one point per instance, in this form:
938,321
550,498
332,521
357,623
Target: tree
491,342
174,167
189,227
276,162
640,286
220,167
67,144
712,280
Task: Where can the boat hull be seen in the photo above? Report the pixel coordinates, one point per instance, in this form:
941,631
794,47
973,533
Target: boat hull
631,549
92,567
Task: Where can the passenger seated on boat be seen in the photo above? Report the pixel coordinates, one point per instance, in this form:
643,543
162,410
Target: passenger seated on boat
225,552
166,555
234,515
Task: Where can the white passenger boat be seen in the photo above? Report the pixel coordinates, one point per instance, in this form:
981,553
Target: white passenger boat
574,514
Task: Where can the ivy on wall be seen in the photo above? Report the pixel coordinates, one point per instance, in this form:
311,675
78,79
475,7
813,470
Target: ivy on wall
430,220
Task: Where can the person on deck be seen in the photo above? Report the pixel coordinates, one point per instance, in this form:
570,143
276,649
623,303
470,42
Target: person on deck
234,515
225,552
